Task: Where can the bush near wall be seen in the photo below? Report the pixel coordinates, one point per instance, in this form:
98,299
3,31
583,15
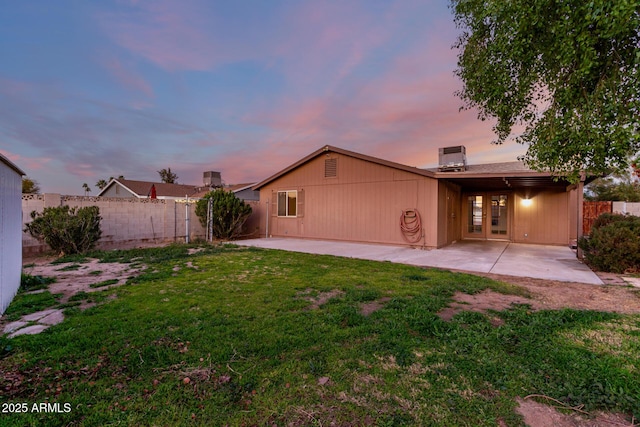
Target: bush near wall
613,244
228,213
67,230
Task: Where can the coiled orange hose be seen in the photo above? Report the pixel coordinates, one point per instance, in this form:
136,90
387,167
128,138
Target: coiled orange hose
411,225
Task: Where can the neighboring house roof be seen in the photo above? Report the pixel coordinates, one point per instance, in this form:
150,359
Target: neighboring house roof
142,189
9,163
232,188
329,148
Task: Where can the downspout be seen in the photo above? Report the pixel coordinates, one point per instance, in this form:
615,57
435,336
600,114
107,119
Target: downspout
266,235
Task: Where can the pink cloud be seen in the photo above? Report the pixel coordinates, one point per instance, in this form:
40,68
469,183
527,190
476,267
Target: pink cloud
127,77
31,163
167,33
84,170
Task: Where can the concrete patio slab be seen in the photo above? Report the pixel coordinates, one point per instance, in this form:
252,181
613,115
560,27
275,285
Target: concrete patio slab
500,257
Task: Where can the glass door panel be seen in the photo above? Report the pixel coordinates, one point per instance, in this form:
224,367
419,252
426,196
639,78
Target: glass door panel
499,215
474,215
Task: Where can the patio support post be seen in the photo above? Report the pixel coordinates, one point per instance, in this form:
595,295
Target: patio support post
580,219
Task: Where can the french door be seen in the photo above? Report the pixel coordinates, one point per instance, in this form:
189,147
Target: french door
486,216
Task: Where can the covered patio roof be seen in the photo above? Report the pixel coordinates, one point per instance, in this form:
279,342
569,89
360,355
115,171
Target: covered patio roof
502,177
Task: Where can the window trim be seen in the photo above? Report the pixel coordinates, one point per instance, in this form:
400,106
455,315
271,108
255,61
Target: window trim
286,193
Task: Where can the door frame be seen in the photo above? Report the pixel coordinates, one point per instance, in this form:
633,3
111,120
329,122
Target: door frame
486,218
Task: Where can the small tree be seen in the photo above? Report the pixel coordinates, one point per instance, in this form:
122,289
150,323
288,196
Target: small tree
167,176
86,189
30,186
67,230
228,213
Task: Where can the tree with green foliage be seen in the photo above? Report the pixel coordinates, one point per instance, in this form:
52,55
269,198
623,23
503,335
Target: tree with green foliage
619,186
86,189
101,183
567,71
603,189
228,213
66,230
30,186
167,176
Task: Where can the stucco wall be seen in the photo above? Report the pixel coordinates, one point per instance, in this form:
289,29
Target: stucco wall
10,241
363,202
129,222
125,222
626,207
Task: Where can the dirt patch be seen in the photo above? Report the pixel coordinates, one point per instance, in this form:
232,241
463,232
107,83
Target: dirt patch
72,278
370,307
548,295
554,295
481,303
320,299
537,414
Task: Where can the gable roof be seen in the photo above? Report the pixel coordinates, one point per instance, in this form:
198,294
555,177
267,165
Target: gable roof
9,163
490,176
142,189
329,148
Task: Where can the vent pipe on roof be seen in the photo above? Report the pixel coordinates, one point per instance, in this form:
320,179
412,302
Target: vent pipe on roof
452,159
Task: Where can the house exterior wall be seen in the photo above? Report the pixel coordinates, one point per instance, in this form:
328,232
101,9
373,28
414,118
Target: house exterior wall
546,221
10,241
363,202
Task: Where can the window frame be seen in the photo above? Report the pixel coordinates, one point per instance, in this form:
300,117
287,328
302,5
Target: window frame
287,193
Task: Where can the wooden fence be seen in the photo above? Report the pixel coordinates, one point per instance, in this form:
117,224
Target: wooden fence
591,211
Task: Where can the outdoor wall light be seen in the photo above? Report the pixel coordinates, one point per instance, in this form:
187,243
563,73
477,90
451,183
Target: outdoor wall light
526,202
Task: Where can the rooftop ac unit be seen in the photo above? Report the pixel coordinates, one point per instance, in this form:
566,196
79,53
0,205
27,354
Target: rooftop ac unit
452,158
212,179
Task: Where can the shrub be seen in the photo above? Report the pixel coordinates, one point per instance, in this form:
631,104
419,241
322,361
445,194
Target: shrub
613,244
228,213
67,230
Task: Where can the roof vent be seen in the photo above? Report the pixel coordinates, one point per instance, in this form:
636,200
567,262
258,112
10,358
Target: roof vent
452,159
212,179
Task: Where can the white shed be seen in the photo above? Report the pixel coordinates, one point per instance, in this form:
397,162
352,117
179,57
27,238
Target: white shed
10,231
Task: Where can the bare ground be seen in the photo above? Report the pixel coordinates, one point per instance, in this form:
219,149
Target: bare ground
70,282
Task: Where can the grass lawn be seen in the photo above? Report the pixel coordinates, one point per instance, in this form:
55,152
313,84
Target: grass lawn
237,336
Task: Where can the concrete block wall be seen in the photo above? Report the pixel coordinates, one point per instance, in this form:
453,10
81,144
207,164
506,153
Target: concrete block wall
626,207
125,222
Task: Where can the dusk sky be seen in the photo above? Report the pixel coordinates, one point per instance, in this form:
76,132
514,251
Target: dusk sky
95,89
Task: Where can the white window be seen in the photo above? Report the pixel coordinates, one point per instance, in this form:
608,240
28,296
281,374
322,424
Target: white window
287,202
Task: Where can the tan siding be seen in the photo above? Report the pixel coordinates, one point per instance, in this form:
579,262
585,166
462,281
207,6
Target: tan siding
449,220
363,203
545,221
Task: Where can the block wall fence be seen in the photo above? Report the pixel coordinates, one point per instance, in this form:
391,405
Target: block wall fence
128,223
